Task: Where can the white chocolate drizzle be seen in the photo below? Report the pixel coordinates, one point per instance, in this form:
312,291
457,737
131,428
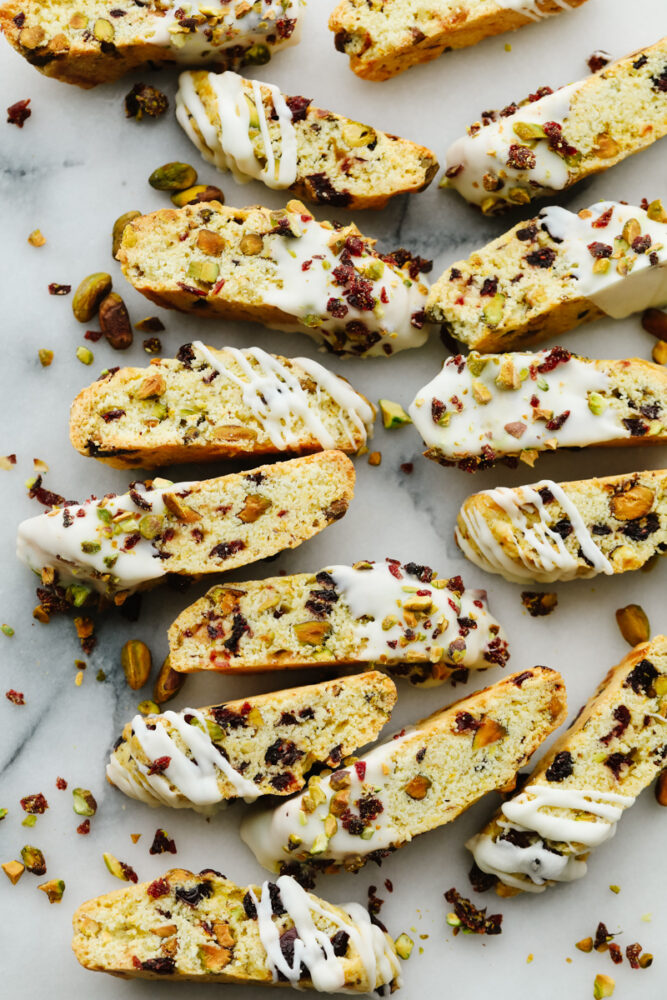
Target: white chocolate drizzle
273,394
487,151
481,414
303,287
313,947
86,542
617,292
531,9
193,778
599,812
228,145
223,29
380,595
543,555
268,832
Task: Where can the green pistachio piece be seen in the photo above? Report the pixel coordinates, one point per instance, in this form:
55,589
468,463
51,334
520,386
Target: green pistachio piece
393,414
529,130
404,946
493,312
173,177
597,404
83,802
86,299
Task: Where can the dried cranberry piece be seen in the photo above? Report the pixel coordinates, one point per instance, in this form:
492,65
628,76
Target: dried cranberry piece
195,894
556,423
521,157
299,107
282,752
490,286
632,953
239,628
163,966
438,410
339,943
423,573
159,765
603,220
527,233
162,844
599,250
285,26
281,782
640,529
561,767
471,917
34,804
226,549
276,900
16,697
18,113
641,678
249,907
544,257
622,717
464,722
640,244
617,761
479,880
325,193
660,82
158,888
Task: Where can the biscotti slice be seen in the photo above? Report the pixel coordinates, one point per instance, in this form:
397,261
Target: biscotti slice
99,42
553,272
579,791
120,544
264,745
280,268
423,778
483,408
403,617
383,39
550,531
554,139
207,404
258,133
207,929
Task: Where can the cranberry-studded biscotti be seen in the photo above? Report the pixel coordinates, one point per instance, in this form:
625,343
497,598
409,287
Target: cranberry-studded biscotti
402,617
554,139
120,544
550,531
280,268
207,929
253,130
423,778
383,39
207,404
482,408
553,272
99,41
578,793
262,745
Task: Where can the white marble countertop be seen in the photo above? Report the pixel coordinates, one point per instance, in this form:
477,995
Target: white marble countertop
75,166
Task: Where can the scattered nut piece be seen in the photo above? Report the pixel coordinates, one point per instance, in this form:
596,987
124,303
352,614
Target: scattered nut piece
7,630
148,708
418,786
631,504
586,944
36,238
83,802
198,193
54,889
13,870
85,356
119,228
488,732
212,243
393,414
86,299
115,323
119,869
173,176
659,352
33,859
45,357
137,662
661,789
633,624
176,506
603,986
152,385
404,945
145,100
255,505
251,244
375,458
654,322
167,683
539,603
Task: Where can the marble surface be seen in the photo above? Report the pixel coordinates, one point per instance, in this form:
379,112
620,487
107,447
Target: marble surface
74,167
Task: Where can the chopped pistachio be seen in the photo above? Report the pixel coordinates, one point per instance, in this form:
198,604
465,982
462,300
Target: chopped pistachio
393,414
597,404
3,813
29,820
45,357
493,312
83,803
85,356
148,707
54,889
615,888
586,944
7,630
656,212
404,946
33,859
529,130
100,676
36,238
13,870
375,458
603,986
319,845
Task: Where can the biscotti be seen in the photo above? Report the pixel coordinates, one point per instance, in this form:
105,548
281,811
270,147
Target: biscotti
482,408
403,617
383,39
555,139
210,404
553,272
263,745
93,43
550,531
207,929
280,268
578,793
119,544
258,133
423,778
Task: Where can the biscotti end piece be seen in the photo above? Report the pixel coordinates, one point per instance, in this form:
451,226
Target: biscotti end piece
120,544
258,133
217,931
99,46
481,409
423,778
574,799
210,404
384,39
283,269
554,139
554,272
403,617
550,531
262,745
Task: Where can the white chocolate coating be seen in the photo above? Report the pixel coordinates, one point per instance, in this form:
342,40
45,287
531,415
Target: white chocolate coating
531,10
549,559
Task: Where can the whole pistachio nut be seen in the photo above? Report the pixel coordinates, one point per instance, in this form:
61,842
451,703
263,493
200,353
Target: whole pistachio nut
115,322
167,684
83,802
86,299
633,624
136,660
119,228
173,177
196,194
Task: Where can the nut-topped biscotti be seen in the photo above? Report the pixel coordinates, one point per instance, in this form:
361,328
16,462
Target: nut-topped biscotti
482,408
262,745
579,791
253,130
383,39
554,272
560,531
207,929
554,139
280,268
93,43
119,544
207,404
425,777
403,617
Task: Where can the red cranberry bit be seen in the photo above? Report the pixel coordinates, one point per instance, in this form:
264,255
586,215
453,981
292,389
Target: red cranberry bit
34,804
541,92
159,765
360,768
16,697
556,423
299,107
18,114
472,918
561,767
556,356
521,157
603,220
598,60
84,828
162,843
158,888
598,250
56,289
61,784
544,257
